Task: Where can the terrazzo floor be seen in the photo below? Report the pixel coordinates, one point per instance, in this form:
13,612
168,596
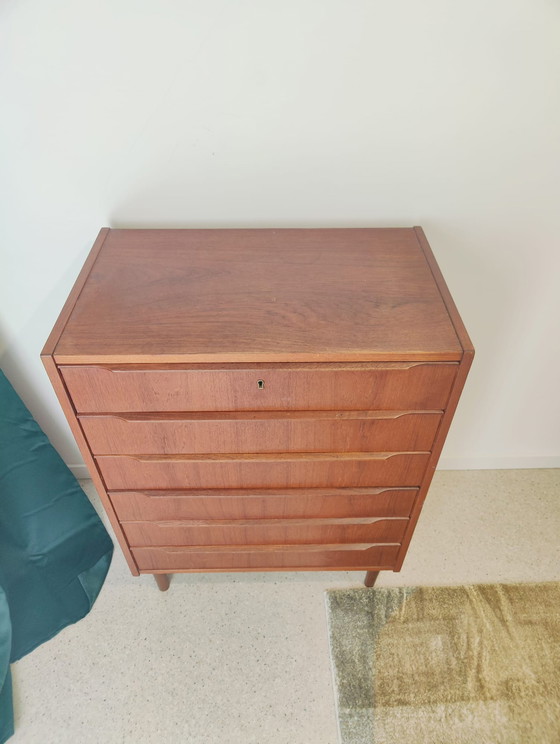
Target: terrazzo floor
243,658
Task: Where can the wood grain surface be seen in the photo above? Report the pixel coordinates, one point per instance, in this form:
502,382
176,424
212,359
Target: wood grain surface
259,295
309,470
260,399
305,431
279,557
265,531
263,503
374,386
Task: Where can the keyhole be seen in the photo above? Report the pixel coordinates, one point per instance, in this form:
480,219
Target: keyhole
260,384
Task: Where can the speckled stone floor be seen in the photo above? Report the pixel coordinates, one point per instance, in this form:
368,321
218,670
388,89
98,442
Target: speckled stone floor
243,658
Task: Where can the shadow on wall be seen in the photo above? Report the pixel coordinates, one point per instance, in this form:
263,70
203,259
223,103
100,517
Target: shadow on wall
27,374
14,367
271,224
494,313
254,200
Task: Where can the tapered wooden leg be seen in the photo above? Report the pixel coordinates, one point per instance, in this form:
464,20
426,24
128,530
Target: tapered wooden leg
162,580
371,578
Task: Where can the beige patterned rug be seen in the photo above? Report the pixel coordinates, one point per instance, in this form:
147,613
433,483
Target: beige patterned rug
447,665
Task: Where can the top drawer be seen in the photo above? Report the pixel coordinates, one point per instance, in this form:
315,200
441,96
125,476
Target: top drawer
363,386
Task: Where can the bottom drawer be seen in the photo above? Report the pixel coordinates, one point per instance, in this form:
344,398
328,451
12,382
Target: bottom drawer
270,557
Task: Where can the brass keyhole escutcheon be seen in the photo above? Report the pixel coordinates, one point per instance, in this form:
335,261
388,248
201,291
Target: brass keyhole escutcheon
260,384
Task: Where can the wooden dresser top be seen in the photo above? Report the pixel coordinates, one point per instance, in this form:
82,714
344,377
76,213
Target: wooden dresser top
286,295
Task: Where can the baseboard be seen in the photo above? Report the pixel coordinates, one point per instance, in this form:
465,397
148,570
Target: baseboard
446,463
79,471
498,463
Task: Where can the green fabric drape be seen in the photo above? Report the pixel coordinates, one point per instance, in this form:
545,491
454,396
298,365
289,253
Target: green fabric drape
54,550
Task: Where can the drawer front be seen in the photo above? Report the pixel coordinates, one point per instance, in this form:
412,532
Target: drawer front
298,557
312,470
315,431
263,504
266,532
390,386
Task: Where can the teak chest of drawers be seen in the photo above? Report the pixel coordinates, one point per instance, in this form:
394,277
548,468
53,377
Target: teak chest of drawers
253,400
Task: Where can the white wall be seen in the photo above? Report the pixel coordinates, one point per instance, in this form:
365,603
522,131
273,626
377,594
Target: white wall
297,113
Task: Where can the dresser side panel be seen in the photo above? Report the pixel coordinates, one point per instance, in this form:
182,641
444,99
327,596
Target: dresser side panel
66,404
441,435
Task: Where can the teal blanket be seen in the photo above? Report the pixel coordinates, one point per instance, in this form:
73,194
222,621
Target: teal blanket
54,550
